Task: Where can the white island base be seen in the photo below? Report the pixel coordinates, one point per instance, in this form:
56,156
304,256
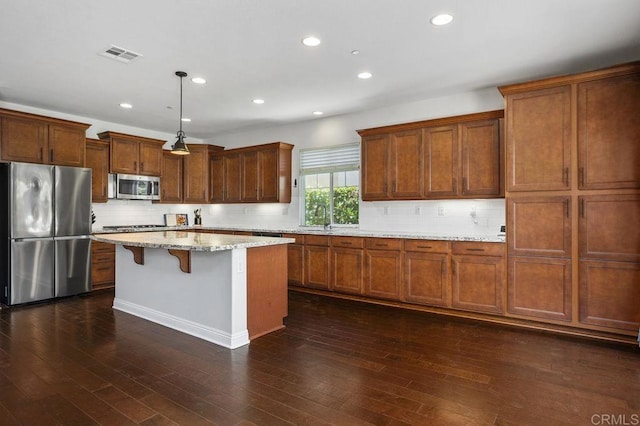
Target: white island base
228,298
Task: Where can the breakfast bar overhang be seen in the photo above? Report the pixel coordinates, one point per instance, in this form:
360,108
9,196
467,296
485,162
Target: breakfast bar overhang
226,289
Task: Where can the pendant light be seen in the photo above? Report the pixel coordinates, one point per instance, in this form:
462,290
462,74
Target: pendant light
180,147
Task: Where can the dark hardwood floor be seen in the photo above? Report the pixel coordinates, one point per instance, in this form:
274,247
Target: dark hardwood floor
76,361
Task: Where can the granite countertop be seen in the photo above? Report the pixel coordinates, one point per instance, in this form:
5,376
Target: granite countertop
185,240
347,232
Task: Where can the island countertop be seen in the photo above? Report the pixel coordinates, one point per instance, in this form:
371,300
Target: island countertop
189,240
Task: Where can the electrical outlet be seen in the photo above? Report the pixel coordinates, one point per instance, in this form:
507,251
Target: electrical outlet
440,211
418,210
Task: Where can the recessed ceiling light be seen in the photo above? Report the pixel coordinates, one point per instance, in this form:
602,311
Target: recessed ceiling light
318,112
198,80
364,75
126,105
311,41
355,52
185,119
441,19
258,101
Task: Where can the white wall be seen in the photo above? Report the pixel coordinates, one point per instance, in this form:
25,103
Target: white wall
447,217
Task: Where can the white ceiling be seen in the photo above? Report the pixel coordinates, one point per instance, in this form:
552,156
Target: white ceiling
250,49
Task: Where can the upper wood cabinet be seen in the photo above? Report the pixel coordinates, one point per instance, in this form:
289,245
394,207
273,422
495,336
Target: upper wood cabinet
171,180
196,173
33,138
97,158
609,133
134,154
254,174
452,157
540,116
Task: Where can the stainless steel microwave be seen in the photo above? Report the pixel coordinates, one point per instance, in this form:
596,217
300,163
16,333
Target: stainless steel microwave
134,187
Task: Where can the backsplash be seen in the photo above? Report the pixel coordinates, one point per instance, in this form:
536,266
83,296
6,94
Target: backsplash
439,217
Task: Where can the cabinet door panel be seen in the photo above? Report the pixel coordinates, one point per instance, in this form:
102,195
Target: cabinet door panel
216,179
609,227
441,161
383,274
250,176
540,287
66,146
481,158
316,259
406,171
196,168
232,177
477,283
426,278
97,158
609,133
124,156
23,140
538,139
375,167
539,226
347,267
295,264
171,180
150,159
268,175
610,294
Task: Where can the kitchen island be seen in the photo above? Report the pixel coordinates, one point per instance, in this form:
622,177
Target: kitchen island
225,289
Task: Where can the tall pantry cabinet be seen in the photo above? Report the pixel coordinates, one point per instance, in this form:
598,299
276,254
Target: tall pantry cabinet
573,199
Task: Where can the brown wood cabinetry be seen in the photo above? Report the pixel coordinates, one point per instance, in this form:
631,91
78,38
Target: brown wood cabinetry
34,138
295,259
347,264
426,272
103,265
383,268
452,157
572,221
478,274
609,133
97,159
172,178
216,178
134,154
196,173
255,174
316,261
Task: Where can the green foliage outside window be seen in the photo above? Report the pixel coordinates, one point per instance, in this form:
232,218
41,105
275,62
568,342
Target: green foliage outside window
345,205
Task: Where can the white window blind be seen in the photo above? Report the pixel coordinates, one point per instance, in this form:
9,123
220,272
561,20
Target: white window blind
330,159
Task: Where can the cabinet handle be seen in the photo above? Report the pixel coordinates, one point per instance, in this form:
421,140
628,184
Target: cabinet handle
382,245
346,243
453,267
474,249
51,155
104,268
566,176
465,184
419,246
141,165
583,208
135,165
581,177
40,157
566,208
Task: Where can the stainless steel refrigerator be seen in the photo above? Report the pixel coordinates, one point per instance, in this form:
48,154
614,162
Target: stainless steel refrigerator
45,235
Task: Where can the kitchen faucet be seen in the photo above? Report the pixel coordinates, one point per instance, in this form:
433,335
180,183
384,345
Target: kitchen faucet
326,225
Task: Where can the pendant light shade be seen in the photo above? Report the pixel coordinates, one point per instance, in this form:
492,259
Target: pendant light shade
180,147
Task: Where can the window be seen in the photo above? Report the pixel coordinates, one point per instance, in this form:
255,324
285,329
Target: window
330,183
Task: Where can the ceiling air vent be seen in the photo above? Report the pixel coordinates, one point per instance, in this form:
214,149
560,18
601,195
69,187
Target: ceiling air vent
120,54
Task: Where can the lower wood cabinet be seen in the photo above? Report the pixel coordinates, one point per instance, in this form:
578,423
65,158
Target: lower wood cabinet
539,287
609,293
316,261
477,280
347,264
295,260
383,268
103,265
426,272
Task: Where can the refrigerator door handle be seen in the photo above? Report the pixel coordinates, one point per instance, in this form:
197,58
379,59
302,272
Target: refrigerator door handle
72,237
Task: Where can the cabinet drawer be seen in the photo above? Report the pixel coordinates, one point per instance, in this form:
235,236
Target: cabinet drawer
100,247
427,246
103,272
298,237
479,248
351,242
316,240
383,244
103,257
